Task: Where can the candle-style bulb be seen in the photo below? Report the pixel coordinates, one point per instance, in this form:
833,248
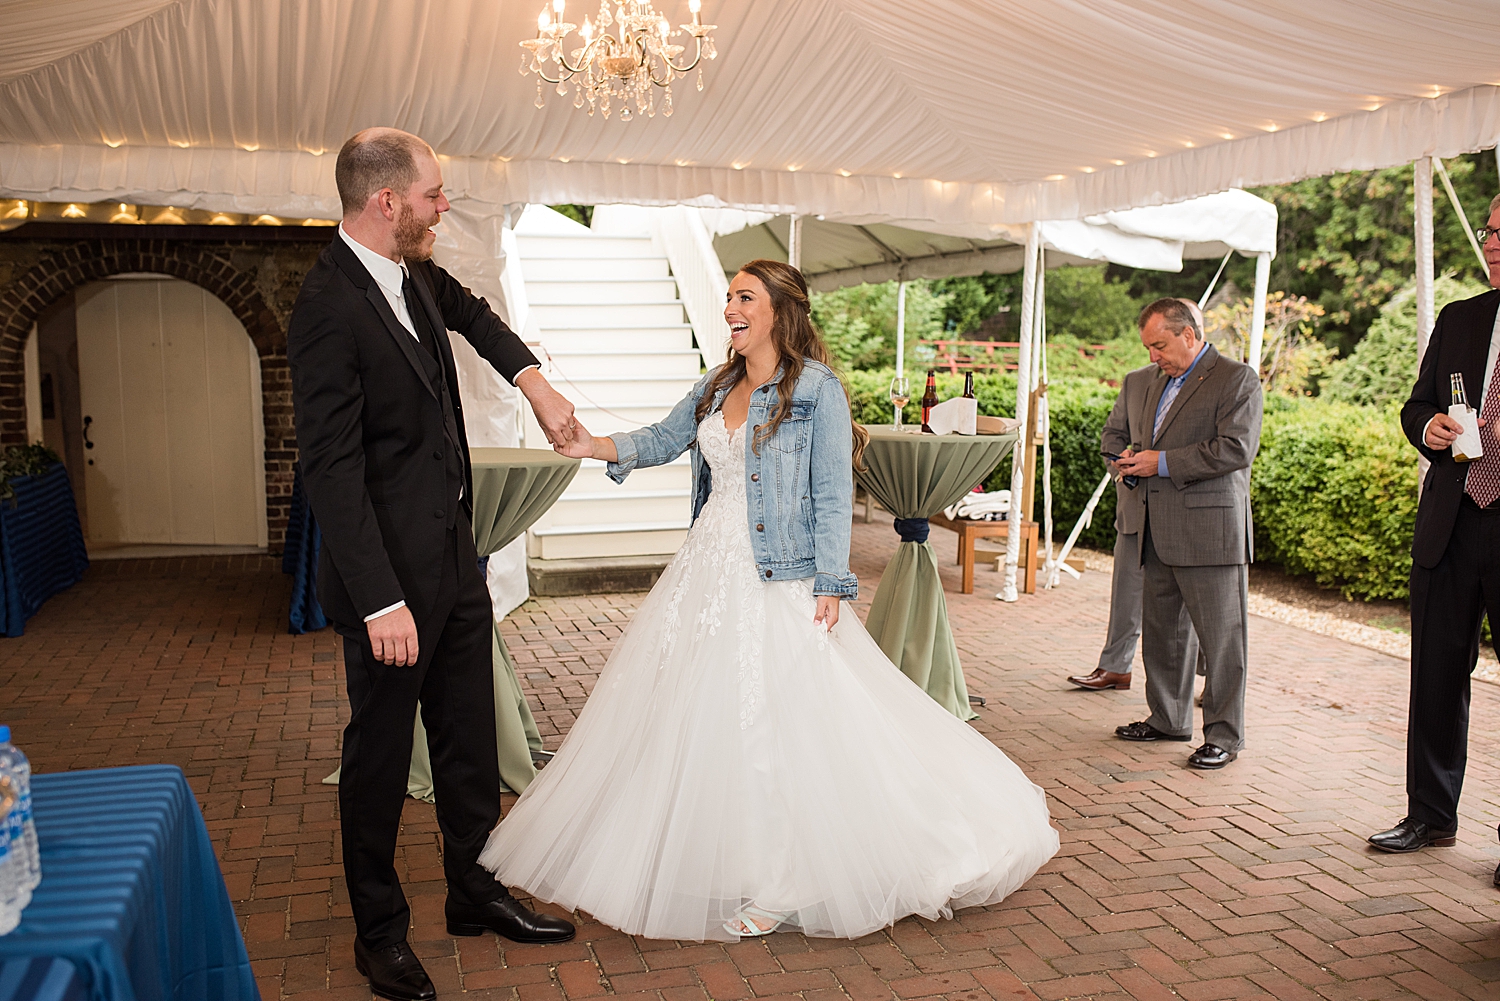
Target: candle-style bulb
543,22
695,5
587,31
558,6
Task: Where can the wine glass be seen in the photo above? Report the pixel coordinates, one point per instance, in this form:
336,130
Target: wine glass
900,397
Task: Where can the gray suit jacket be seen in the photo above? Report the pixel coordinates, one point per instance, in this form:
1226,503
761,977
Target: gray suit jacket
1200,516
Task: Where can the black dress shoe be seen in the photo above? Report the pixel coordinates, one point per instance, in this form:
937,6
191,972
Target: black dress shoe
508,918
395,972
1412,835
1211,756
1145,731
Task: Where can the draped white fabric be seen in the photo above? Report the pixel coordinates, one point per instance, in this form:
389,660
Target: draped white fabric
941,112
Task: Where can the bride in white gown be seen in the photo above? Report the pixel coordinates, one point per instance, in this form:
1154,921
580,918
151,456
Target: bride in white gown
748,759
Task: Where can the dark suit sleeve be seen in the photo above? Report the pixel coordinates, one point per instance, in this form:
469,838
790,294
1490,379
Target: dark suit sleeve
1425,401
329,400
1237,436
471,316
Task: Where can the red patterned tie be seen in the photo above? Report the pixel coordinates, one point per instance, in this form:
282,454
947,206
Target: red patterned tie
1483,483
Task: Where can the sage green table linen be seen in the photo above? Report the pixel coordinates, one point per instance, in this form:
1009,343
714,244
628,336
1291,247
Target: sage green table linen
916,476
513,487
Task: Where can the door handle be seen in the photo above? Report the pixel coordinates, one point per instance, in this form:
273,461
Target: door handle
87,420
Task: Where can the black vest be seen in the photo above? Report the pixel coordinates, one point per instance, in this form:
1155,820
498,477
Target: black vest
438,376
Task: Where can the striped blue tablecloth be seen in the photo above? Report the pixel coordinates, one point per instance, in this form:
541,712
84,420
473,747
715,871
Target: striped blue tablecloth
40,978
131,892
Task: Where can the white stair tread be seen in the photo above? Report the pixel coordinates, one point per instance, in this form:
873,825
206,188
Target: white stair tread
598,529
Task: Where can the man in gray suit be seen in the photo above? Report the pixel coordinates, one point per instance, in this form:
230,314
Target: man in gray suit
1117,657
1189,427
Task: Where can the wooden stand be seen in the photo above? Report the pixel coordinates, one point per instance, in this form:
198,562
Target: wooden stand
968,531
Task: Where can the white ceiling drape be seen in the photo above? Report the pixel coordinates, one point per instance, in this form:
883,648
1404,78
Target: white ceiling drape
946,112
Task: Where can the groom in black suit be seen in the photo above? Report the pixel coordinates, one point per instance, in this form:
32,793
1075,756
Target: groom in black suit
385,463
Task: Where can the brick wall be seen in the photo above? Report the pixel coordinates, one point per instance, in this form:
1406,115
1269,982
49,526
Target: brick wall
255,270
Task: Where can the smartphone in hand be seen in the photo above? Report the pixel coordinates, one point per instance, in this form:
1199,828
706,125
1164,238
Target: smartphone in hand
1129,481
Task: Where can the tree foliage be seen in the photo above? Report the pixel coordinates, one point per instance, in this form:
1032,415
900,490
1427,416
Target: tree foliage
1291,358
859,323
1382,367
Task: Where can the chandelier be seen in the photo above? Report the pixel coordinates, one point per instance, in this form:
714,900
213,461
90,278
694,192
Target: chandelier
624,66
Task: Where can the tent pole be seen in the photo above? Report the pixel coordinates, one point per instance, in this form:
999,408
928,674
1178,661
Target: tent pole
1422,215
900,327
1023,394
1258,310
794,241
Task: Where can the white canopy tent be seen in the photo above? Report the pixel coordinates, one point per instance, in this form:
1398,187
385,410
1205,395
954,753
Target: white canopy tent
937,115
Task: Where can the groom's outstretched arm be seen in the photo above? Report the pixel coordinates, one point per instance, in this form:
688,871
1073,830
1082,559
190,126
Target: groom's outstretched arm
496,343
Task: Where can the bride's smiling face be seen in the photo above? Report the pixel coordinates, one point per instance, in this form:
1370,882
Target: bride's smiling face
749,315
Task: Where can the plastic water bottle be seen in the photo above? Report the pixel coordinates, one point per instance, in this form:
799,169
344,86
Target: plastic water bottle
10,874
22,828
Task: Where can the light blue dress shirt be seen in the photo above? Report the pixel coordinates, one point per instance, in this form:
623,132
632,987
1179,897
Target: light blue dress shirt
1168,397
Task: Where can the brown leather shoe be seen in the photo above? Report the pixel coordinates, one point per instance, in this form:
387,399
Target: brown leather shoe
1101,680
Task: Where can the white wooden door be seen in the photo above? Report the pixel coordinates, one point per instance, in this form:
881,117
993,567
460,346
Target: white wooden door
170,390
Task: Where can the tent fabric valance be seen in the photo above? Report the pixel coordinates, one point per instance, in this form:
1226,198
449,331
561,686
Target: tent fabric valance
943,113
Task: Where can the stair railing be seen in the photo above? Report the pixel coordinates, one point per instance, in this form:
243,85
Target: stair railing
701,284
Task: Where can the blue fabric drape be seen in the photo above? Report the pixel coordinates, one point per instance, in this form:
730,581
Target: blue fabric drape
912,529
40,978
131,893
300,559
41,545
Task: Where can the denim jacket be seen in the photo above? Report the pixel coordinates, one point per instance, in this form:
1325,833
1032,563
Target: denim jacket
800,488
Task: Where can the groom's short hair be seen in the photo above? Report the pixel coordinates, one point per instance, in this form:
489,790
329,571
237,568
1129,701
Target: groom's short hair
373,159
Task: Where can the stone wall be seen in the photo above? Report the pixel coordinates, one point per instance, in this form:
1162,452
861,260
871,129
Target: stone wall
255,270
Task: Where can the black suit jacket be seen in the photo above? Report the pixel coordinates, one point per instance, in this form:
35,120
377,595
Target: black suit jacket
1460,343
377,464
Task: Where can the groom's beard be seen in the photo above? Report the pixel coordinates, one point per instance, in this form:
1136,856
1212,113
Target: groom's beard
411,235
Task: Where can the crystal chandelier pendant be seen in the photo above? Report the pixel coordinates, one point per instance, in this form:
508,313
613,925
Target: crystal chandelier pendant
626,64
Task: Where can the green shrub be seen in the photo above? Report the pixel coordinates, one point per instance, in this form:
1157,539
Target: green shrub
1334,492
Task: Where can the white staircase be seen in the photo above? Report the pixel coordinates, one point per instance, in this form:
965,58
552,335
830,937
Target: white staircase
614,340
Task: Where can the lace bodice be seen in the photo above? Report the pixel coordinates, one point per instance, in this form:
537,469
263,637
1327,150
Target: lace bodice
724,451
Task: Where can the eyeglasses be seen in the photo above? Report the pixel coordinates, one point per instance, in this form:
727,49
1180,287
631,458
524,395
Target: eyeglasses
1485,232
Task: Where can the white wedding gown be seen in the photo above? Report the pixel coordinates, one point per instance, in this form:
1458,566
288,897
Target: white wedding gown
734,752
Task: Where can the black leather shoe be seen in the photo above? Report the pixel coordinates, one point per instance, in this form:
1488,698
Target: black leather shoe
395,972
508,918
1145,731
1410,836
1211,756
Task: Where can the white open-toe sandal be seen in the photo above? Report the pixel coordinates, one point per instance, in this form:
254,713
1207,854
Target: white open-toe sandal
743,924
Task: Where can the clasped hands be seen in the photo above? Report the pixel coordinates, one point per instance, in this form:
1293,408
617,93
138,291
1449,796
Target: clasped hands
1442,430
1142,463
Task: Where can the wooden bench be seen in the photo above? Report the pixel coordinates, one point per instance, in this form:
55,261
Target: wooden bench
969,530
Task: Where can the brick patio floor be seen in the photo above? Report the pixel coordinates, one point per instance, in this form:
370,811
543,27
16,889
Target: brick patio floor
1250,882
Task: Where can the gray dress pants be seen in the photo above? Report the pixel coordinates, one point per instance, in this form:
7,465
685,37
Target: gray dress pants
1125,586
1213,601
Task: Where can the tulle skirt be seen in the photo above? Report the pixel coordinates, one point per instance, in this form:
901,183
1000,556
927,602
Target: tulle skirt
734,752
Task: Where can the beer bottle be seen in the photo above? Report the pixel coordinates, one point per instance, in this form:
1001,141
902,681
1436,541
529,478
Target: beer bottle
929,399
968,385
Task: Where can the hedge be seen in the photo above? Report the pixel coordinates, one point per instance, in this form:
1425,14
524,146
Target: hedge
1333,490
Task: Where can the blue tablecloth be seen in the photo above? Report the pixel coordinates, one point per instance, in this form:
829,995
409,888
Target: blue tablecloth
41,978
300,559
131,893
41,545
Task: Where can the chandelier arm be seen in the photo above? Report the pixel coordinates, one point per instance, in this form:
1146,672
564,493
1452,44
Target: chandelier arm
697,57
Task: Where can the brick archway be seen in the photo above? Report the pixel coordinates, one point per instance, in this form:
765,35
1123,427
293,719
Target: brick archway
226,264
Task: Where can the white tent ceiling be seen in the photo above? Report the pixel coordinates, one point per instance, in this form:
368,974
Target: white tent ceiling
945,112
1160,237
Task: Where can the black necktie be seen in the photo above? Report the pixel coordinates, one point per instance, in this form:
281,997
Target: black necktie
417,314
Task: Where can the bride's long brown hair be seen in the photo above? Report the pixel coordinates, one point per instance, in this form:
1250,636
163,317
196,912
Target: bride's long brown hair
795,338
